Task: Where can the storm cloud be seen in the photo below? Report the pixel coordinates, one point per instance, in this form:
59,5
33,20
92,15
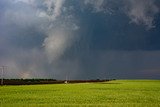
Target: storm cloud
81,39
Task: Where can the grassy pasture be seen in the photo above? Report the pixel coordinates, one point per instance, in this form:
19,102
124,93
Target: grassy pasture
119,93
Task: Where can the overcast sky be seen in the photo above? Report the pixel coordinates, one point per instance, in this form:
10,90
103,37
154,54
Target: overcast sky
80,39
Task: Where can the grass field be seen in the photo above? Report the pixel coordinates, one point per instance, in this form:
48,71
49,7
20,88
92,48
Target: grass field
119,93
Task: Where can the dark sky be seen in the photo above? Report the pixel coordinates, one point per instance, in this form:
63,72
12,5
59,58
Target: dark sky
80,39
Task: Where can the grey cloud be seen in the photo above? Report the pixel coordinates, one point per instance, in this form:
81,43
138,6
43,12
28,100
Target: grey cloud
57,42
142,12
23,19
38,38
52,13
97,4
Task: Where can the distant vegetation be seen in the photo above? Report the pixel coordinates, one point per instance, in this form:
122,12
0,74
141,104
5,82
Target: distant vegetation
45,81
119,93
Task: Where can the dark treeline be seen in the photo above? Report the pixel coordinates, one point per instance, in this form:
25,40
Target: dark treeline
30,80
46,81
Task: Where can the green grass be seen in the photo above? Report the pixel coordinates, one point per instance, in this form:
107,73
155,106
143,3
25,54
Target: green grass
120,93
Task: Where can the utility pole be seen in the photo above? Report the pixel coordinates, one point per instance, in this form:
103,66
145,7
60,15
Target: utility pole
2,74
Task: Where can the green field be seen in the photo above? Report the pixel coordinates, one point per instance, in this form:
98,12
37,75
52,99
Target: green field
119,93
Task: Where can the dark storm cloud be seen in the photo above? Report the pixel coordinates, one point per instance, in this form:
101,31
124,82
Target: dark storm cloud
80,38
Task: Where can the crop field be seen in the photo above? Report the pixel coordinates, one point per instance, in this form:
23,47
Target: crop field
119,93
